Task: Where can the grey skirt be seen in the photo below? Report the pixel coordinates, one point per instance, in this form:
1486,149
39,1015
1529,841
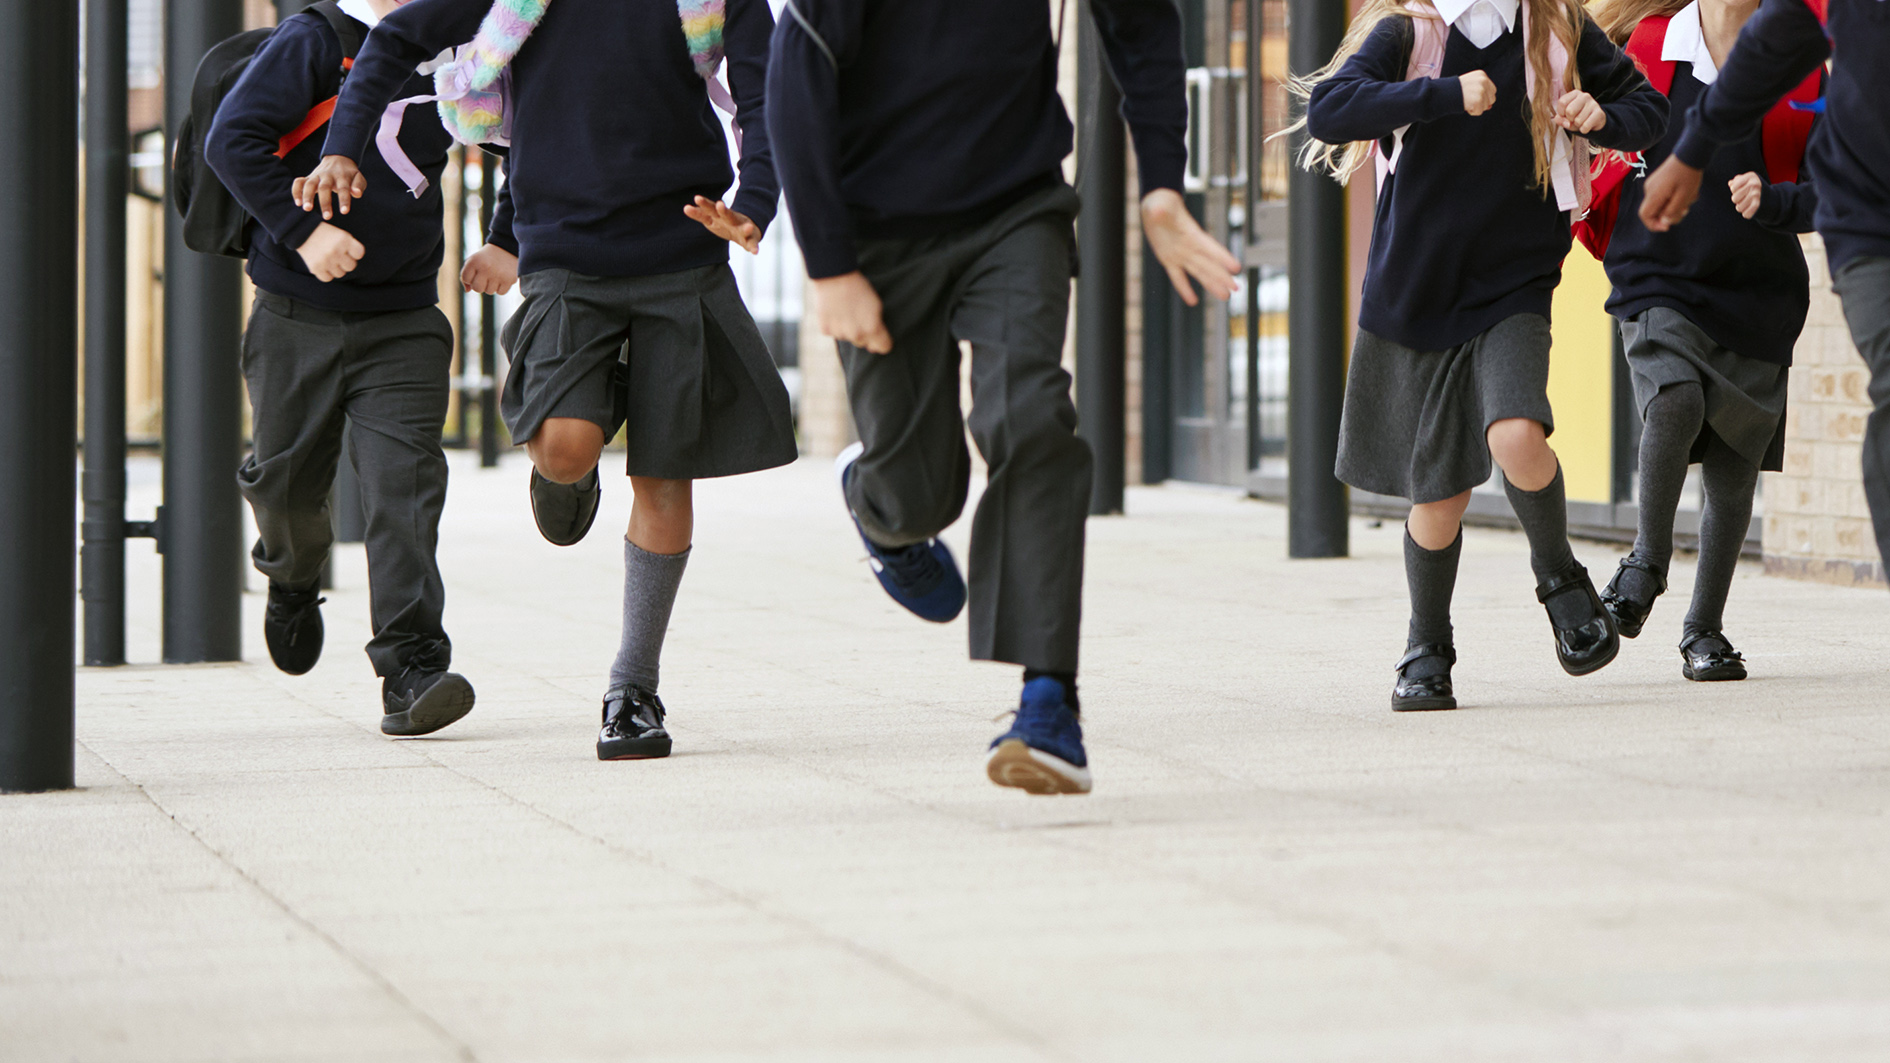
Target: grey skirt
674,359
1415,422
1745,397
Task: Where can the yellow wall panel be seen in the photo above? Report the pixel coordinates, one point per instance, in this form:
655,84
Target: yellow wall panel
1581,382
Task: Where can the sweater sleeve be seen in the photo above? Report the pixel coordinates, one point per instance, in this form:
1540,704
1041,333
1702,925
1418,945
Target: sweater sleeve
1787,206
1780,46
409,36
1368,97
1637,112
813,40
284,80
1142,40
747,32
499,233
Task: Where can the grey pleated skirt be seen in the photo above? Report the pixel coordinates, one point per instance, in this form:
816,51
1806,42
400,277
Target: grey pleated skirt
1745,397
1415,422
674,359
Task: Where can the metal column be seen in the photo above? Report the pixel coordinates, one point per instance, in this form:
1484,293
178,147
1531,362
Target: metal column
203,527
39,239
489,324
107,151
1316,501
1102,281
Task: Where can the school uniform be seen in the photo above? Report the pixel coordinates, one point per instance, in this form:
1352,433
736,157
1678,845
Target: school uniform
612,134
1850,154
1466,247
371,347
921,143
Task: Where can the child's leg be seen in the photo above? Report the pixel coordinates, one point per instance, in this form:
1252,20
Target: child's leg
1586,638
1433,542
1673,420
565,449
1729,481
655,552
1864,285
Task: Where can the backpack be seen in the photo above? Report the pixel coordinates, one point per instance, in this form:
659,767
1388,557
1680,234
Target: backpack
1782,137
474,90
214,222
1569,154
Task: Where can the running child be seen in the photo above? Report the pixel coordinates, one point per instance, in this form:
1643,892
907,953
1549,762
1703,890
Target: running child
344,325
1709,313
921,145
615,170
1482,111
1786,42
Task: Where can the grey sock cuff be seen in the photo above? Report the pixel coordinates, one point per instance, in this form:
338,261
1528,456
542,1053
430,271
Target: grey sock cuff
1455,547
1554,485
636,555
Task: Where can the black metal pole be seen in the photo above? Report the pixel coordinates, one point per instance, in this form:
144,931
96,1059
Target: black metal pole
457,162
1316,501
1102,272
107,152
203,533
39,310
488,325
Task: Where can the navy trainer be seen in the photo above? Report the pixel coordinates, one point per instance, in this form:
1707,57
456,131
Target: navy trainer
922,577
1042,753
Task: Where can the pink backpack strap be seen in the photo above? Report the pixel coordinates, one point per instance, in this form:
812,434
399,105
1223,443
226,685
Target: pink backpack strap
1429,34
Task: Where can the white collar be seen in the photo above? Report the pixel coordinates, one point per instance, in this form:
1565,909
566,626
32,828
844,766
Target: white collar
1452,10
1686,43
360,11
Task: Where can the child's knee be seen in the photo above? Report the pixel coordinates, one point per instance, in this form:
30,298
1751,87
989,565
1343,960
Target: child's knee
564,449
663,498
1516,440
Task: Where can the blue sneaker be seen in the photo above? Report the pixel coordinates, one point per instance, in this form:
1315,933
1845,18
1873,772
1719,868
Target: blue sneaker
922,577
1042,753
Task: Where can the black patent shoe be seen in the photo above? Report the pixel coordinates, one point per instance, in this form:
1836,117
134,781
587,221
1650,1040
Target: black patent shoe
292,626
1629,615
565,512
423,699
633,726
1707,657
1590,645
1429,692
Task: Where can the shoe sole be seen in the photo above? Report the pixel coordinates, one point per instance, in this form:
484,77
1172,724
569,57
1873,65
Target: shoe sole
446,702
1722,674
1422,704
1590,669
1033,771
634,749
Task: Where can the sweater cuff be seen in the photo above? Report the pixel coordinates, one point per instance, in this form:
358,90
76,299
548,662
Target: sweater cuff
1443,97
828,257
1160,169
346,141
1695,149
755,207
292,227
505,241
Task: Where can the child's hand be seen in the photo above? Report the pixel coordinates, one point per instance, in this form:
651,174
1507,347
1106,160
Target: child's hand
849,310
330,253
1185,249
336,180
1667,194
1479,92
491,270
1578,112
725,223
1747,189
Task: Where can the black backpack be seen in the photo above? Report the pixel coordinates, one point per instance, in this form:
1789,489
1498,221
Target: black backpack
214,222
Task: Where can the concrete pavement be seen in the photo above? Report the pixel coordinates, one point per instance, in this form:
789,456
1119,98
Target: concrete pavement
1273,865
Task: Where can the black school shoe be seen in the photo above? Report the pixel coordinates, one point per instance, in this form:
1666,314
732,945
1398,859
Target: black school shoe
565,512
633,726
292,626
1429,692
1630,615
422,699
1590,645
1707,657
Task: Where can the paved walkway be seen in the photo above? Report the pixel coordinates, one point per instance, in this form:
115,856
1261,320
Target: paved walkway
1273,866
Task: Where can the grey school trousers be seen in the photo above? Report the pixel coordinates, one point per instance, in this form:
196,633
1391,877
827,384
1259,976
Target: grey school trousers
387,372
1864,286
1004,288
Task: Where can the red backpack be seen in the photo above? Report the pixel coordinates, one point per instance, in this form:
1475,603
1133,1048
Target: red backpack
1782,137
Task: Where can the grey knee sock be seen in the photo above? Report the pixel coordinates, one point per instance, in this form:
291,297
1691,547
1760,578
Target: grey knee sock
1729,480
649,593
1544,517
1673,420
1432,577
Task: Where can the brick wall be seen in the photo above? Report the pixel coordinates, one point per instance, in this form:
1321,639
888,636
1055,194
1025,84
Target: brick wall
1817,526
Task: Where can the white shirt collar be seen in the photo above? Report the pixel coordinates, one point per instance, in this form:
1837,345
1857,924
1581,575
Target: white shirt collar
1686,43
360,11
1454,10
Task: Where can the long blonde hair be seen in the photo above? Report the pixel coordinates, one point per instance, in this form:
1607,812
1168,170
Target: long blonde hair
1566,19
1618,18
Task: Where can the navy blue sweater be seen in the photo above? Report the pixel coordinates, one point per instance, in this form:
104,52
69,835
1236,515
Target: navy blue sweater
897,118
1850,151
1464,236
1744,283
613,132
299,67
